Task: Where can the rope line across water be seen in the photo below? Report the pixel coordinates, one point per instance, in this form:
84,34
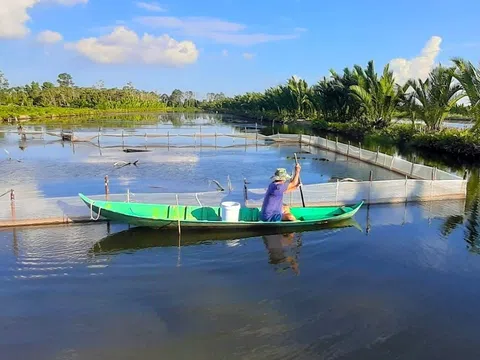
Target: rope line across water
6,192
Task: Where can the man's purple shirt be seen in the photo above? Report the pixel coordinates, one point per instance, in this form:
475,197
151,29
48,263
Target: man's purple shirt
273,201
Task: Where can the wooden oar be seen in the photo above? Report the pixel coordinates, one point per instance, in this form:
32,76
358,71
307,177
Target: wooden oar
300,181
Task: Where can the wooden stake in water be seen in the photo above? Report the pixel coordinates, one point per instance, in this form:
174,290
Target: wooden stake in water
12,203
370,179
245,138
106,187
179,228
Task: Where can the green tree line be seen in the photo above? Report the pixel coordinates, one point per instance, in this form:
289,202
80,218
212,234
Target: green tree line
366,98
65,94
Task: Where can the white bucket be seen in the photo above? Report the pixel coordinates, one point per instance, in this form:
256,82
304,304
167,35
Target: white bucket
230,211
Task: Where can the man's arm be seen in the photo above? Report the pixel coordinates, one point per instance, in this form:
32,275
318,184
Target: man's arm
295,181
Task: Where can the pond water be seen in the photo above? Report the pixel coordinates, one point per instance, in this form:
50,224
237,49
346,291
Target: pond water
50,167
398,281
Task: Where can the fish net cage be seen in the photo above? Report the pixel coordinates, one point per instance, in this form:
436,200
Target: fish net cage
421,183
390,162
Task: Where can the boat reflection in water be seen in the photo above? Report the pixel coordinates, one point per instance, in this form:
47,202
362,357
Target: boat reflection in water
282,247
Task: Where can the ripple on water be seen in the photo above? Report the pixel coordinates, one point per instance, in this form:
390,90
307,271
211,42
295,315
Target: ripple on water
41,253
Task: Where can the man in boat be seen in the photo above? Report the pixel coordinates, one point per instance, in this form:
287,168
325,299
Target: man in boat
273,209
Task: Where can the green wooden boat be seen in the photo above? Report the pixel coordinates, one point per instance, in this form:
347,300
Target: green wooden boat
206,217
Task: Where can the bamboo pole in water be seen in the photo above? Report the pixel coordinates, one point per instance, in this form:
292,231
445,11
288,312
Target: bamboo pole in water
12,203
178,221
106,187
245,138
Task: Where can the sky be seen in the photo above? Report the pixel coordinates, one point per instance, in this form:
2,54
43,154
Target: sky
230,46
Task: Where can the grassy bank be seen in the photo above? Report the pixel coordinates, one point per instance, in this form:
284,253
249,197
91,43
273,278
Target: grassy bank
13,113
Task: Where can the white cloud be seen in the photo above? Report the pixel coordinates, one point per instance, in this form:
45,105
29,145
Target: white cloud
14,15
125,46
418,67
191,24
220,31
65,2
152,6
225,53
248,56
49,37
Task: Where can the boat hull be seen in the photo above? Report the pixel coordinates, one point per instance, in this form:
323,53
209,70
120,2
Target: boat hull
107,210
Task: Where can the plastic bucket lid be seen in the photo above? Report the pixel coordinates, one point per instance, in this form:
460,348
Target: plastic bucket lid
228,204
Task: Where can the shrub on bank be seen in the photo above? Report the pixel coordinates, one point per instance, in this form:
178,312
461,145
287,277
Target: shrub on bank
399,133
461,143
352,129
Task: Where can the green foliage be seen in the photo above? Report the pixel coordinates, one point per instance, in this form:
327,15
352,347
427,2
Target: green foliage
37,112
378,97
333,97
469,78
399,133
434,98
33,100
362,105
65,80
292,101
454,142
353,130
459,143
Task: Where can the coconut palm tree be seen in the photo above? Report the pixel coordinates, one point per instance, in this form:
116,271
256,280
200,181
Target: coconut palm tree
406,106
301,95
378,96
333,97
436,96
278,99
469,77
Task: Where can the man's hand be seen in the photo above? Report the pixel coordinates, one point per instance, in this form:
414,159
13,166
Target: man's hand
297,168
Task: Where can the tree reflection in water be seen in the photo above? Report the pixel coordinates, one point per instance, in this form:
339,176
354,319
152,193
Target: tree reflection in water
471,216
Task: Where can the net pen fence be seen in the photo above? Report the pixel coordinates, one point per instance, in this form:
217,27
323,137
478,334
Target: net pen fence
169,138
60,210
370,192
393,163
422,183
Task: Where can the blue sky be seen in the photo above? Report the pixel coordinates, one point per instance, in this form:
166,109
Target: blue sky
227,45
